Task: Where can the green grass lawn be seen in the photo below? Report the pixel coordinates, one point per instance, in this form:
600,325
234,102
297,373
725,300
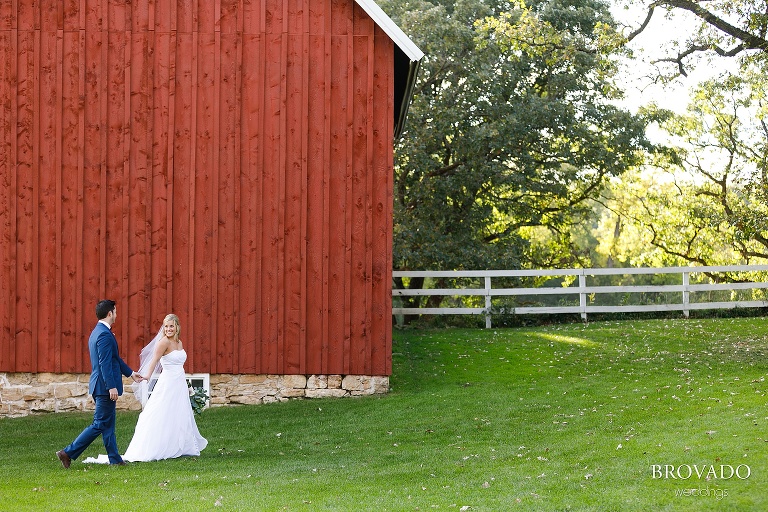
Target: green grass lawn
567,417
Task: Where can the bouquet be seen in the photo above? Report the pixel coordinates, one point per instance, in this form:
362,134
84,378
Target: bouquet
198,398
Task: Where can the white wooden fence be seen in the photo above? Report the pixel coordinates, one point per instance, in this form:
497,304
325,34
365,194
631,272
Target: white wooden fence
586,293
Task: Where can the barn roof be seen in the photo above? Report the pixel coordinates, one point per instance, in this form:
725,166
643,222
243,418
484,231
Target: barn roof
407,59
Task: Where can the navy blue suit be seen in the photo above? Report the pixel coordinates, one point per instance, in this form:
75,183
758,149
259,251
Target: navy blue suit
107,369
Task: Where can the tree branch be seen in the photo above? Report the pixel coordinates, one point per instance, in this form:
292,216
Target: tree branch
749,41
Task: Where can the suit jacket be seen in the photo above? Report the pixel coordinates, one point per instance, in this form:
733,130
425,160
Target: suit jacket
107,368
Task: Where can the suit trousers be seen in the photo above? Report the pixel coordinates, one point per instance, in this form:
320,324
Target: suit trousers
103,425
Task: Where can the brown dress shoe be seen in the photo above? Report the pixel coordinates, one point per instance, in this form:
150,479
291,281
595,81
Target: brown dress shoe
121,463
64,458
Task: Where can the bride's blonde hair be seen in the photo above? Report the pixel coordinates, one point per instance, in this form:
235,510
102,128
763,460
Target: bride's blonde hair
175,319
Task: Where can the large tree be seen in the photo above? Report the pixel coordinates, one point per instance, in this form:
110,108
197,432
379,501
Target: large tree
708,201
510,133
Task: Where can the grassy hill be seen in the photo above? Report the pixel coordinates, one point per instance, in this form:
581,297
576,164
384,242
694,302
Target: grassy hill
624,415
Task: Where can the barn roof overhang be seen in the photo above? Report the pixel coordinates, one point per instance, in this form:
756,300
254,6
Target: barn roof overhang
407,59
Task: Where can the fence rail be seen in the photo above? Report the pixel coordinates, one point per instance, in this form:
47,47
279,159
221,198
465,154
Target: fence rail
586,293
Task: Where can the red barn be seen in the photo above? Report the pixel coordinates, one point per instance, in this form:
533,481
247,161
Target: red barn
229,161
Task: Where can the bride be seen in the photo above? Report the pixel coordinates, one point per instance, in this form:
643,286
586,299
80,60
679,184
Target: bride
166,428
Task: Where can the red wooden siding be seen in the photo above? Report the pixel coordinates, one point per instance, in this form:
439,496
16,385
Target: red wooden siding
226,160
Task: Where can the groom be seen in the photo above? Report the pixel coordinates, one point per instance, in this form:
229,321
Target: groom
105,386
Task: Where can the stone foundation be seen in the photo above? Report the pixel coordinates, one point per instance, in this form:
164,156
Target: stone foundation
31,393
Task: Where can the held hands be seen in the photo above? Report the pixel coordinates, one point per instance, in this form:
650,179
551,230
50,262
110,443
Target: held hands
137,377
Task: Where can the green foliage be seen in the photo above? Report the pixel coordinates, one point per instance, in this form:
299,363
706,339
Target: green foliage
511,129
550,418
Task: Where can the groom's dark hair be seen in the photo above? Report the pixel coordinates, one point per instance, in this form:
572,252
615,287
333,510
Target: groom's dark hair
103,308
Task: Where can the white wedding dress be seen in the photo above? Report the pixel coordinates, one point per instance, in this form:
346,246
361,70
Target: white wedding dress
166,428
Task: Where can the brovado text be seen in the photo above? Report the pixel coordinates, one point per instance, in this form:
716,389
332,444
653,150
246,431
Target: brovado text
700,472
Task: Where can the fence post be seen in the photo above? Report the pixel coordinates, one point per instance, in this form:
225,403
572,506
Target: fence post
487,302
686,298
583,295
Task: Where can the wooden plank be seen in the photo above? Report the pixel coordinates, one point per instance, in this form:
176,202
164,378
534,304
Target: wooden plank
271,199
37,128
726,286
5,181
203,209
251,179
456,311
104,155
295,16
304,128
160,181
218,341
382,126
144,332
68,250
349,211
140,16
230,19
126,297
169,169
49,14
366,366
226,193
326,242
138,195
181,236
10,66
274,16
38,153
115,182
22,351
70,10
359,216
316,256
118,16
119,221
8,176
729,305
317,18
338,331
254,14
191,212
340,17
93,193
94,19
8,16
281,171
152,7
237,163
79,268
294,185
185,19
